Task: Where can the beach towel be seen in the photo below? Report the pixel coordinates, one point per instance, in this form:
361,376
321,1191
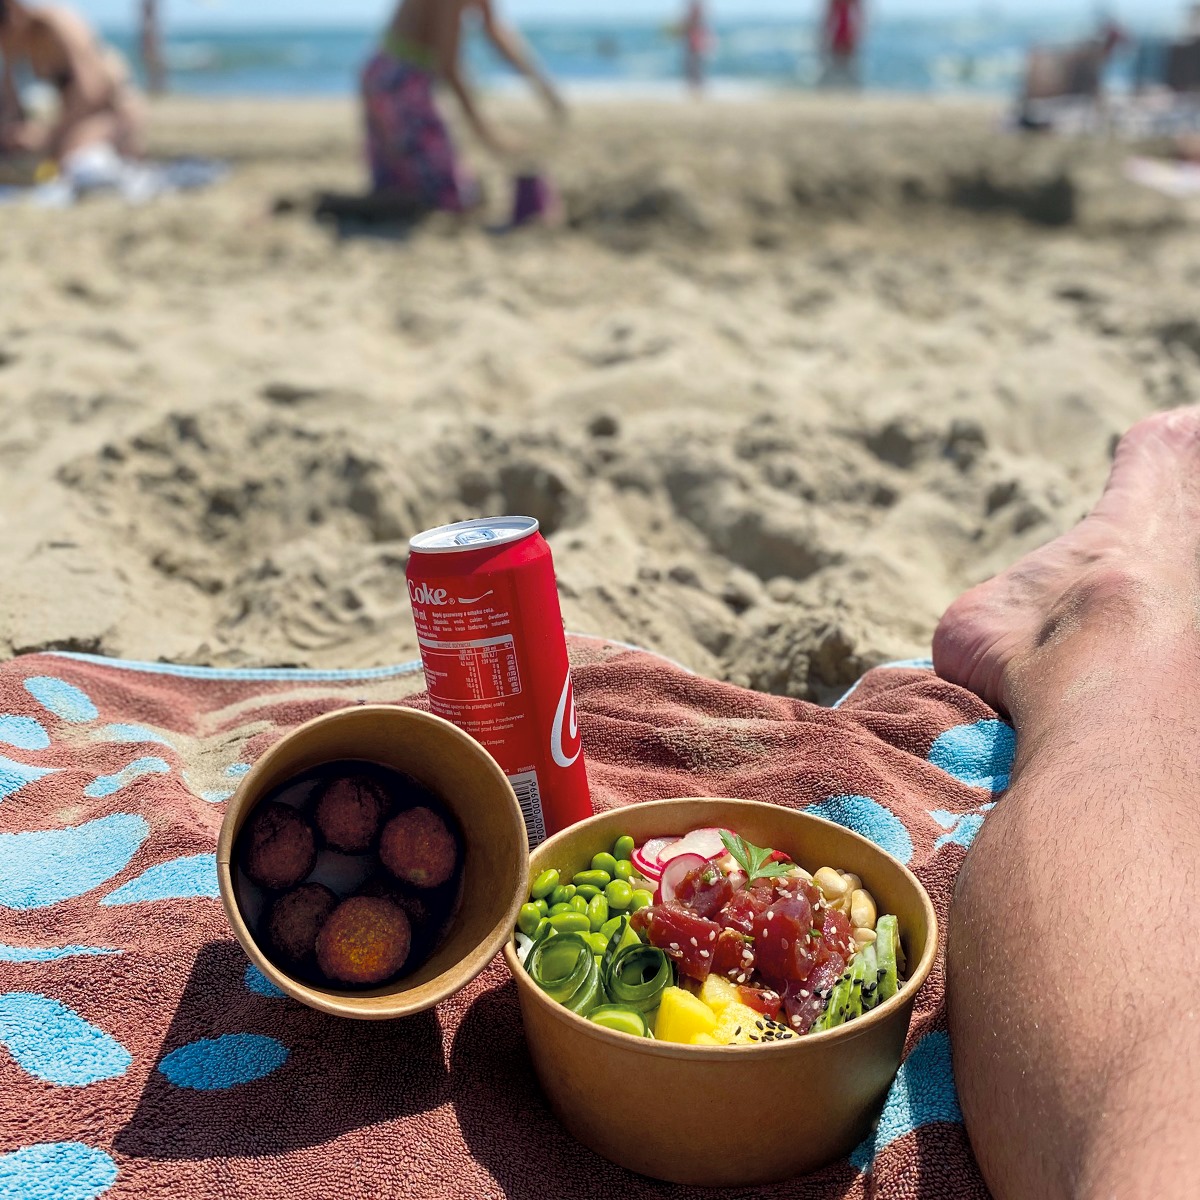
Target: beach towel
141,1054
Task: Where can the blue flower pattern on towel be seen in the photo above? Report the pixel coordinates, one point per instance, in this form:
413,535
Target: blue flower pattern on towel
56,1171
23,732
15,775
29,954
63,699
108,785
260,985
214,1064
979,755
178,879
923,1093
46,866
869,818
54,1043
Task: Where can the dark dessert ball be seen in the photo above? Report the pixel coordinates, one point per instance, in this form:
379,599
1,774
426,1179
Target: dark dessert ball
296,919
279,846
350,813
418,847
365,941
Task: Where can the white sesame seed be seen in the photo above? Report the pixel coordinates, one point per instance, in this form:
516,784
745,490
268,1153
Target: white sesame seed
770,914
693,941
786,943
703,953
712,936
804,994
674,945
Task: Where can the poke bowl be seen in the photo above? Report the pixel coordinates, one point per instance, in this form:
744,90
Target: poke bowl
750,1086
372,862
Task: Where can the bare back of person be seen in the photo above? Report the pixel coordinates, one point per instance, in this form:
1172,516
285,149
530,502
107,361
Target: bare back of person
432,27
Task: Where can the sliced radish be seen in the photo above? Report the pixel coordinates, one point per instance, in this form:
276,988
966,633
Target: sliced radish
705,842
652,850
674,872
651,870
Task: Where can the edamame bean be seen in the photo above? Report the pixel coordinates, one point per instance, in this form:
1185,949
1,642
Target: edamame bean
597,911
625,869
528,918
544,884
604,862
610,926
597,941
641,899
542,907
588,890
570,922
619,895
562,893
597,878
558,909
543,928
623,847
579,903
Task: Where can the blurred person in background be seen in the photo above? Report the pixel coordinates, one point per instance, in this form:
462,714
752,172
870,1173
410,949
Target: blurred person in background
98,106
697,44
412,155
152,53
841,42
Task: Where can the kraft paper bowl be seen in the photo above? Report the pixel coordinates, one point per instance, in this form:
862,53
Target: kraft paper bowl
725,1116
467,780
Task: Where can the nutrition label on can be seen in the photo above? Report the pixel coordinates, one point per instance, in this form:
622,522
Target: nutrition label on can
472,672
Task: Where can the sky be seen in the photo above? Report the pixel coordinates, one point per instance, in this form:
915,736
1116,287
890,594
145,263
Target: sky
346,12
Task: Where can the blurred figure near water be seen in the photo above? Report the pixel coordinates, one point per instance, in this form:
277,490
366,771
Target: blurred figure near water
697,44
98,106
1071,73
413,158
153,61
841,43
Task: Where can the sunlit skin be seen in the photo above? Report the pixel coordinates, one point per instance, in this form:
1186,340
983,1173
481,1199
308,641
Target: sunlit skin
97,104
436,26
1072,952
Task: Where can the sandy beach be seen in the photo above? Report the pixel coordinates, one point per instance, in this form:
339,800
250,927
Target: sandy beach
796,372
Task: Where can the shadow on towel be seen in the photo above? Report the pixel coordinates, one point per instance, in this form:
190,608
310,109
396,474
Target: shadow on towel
339,1075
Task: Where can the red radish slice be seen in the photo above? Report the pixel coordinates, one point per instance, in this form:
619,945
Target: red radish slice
674,872
705,842
644,866
645,858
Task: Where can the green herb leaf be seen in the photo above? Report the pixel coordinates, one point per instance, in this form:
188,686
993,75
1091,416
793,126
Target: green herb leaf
753,859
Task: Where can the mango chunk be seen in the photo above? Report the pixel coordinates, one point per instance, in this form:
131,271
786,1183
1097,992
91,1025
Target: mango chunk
740,1025
705,1039
717,993
681,1016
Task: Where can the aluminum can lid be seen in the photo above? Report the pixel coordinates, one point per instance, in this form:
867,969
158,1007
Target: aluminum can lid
473,535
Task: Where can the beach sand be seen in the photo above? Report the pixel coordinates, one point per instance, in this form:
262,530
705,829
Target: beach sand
797,372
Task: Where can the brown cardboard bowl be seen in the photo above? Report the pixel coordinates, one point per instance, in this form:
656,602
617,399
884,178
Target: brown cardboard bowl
727,1116
467,780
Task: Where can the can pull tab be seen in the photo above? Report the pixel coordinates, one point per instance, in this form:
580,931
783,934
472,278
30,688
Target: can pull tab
472,537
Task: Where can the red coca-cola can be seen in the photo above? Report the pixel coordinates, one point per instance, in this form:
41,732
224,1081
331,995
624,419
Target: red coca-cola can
490,629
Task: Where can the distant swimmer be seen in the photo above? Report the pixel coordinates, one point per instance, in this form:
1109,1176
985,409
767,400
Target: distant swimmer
98,105
412,155
697,44
841,42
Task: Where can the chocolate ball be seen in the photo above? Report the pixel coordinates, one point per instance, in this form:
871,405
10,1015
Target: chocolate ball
279,847
365,941
418,847
296,919
350,812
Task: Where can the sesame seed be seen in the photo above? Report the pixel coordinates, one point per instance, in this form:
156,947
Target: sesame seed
804,994
737,1032
674,945
770,914
786,943
703,953
712,936
693,941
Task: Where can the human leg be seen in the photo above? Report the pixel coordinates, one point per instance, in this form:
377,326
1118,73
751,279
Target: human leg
1072,951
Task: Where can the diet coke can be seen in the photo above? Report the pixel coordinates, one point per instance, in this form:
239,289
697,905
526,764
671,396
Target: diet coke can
490,630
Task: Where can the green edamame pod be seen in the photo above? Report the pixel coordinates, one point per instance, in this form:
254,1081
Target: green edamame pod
542,907
624,847
588,890
544,884
641,899
579,903
570,922
619,895
625,869
528,919
597,911
610,926
604,862
596,878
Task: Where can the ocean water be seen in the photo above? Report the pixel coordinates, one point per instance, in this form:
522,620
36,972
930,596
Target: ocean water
976,54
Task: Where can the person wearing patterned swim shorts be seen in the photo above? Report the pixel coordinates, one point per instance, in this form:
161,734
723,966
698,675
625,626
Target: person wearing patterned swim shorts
411,151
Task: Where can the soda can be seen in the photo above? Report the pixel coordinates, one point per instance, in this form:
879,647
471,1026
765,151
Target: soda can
485,604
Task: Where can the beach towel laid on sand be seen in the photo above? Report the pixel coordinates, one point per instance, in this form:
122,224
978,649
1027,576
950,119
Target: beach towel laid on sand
140,1055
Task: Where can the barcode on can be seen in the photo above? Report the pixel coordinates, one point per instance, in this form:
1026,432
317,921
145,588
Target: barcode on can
529,797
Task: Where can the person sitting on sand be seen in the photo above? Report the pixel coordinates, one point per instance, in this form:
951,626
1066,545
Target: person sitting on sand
98,105
412,155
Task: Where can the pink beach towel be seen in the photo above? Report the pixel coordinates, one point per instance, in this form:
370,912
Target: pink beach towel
141,1055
